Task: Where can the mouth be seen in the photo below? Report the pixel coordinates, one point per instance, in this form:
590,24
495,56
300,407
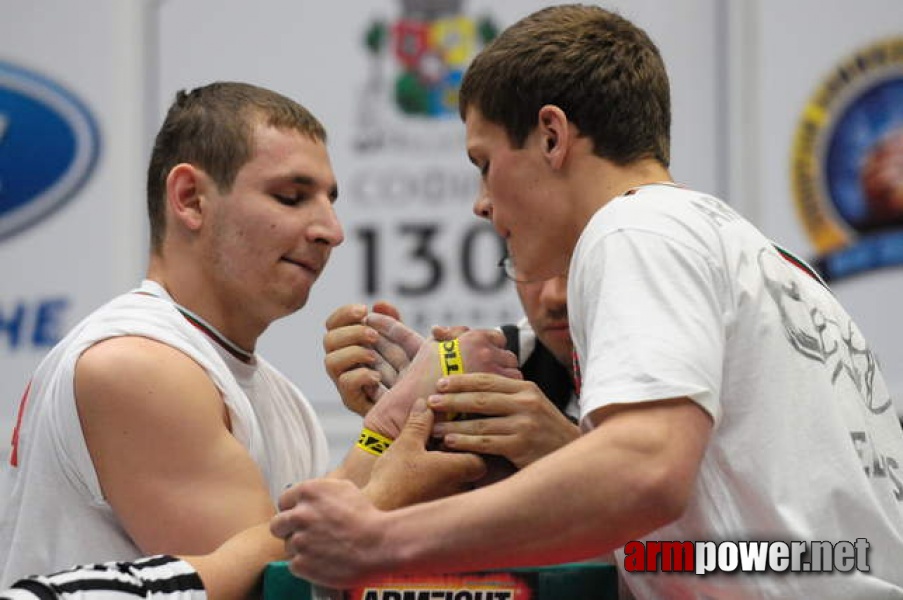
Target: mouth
558,327
310,266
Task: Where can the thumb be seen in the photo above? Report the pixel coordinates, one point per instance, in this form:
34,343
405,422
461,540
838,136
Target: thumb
384,308
444,334
417,429
464,467
395,331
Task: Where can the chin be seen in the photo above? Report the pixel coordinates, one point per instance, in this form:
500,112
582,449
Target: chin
290,303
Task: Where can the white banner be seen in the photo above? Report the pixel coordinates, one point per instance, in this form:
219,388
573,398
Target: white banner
828,164
72,118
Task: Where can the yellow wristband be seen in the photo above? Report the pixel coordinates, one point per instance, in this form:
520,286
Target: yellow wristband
450,358
372,442
452,364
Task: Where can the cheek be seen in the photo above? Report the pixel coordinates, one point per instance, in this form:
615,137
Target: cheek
529,299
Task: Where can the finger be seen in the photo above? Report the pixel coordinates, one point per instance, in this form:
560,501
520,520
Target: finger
393,354
359,389
503,362
289,497
494,426
466,467
349,335
384,308
482,403
396,331
348,314
493,336
388,374
280,525
416,431
497,445
482,382
346,359
511,373
443,333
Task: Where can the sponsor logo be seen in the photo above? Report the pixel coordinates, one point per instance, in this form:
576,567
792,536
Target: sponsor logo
49,144
467,586
417,65
847,163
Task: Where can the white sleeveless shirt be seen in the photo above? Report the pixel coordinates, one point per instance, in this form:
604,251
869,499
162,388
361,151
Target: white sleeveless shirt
52,511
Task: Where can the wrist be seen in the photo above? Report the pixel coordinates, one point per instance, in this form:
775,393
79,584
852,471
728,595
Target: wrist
373,442
388,416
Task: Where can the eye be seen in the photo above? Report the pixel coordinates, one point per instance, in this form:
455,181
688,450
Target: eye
290,200
484,169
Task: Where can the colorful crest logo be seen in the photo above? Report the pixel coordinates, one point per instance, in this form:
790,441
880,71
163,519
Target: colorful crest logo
49,145
847,164
417,65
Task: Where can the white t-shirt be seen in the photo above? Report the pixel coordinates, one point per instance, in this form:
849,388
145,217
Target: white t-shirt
53,513
673,294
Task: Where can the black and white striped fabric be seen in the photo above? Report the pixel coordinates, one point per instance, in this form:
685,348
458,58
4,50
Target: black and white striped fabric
159,577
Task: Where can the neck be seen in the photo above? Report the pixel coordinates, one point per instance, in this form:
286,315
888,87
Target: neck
191,291
600,181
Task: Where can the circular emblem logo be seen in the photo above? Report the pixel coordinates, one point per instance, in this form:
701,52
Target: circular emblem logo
48,147
847,164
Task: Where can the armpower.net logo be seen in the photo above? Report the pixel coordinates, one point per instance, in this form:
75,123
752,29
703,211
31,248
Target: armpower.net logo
703,558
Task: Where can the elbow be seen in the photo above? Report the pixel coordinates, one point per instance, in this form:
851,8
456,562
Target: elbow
663,496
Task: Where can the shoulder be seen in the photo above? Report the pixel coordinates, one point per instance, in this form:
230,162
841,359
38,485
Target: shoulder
663,209
659,219
138,373
117,357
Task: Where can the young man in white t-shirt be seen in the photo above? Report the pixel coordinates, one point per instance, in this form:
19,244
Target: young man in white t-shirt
726,395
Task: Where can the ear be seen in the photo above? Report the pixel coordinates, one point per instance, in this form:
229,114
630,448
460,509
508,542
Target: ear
554,134
185,188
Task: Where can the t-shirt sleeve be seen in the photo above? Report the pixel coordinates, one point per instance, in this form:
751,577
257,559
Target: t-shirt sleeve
654,320
162,577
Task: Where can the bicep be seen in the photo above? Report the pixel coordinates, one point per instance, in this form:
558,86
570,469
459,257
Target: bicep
157,431
659,443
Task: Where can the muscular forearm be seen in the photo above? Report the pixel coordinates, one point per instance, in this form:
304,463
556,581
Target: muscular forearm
233,571
586,499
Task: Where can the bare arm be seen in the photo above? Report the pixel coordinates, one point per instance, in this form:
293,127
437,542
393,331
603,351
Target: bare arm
632,474
234,570
158,433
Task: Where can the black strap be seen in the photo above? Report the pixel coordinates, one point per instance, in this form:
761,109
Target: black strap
543,369
512,339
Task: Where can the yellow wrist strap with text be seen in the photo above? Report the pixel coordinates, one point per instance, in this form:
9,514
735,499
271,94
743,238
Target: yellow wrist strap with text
450,358
452,364
372,442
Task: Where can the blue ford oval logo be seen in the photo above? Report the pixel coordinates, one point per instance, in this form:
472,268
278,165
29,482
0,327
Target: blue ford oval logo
49,145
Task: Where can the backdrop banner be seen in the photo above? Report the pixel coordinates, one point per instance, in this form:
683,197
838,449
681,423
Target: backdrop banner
829,117
72,118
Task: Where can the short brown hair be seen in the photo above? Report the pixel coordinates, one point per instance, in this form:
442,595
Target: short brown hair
212,127
600,69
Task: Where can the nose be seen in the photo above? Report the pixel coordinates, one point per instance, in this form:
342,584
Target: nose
554,294
326,228
482,206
